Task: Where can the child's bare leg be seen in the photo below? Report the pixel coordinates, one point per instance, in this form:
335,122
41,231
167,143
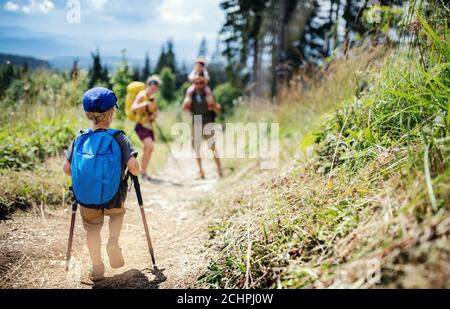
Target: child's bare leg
114,252
93,222
115,227
94,245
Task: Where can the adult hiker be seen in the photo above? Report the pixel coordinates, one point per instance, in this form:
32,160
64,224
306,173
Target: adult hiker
203,115
145,110
200,71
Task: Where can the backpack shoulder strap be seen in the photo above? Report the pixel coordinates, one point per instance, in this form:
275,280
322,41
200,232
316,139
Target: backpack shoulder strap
81,133
86,131
114,133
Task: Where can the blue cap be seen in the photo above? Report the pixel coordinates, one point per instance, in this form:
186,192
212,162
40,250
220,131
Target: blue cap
99,100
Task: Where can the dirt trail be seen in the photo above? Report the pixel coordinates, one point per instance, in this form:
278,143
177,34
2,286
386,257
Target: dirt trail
32,248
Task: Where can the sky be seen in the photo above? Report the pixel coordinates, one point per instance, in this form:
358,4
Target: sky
100,20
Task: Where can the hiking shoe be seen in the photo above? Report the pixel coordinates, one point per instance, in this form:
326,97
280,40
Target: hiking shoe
115,254
97,273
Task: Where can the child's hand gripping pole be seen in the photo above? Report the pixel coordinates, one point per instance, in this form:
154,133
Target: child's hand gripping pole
137,187
72,226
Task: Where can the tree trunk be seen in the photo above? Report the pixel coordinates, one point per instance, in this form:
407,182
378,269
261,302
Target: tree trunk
283,72
256,78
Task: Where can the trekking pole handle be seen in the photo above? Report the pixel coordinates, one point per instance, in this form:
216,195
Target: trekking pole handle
137,187
74,207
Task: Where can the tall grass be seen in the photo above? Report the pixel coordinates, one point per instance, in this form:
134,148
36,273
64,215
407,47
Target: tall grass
310,99
375,191
41,115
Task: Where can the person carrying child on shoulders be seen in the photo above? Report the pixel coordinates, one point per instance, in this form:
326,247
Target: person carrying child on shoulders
97,160
200,71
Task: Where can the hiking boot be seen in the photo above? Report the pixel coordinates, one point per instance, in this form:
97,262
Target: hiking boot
115,254
97,273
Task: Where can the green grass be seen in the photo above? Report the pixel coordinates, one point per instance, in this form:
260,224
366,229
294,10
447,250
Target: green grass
45,185
369,195
27,143
42,114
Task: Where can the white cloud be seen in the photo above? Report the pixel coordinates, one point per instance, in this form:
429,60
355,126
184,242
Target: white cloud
11,6
98,4
44,7
178,12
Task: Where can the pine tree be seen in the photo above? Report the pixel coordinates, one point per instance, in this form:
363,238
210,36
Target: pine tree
203,49
7,74
161,60
168,85
170,57
182,75
105,77
147,70
234,36
98,74
137,73
242,33
75,71
121,78
216,68
167,58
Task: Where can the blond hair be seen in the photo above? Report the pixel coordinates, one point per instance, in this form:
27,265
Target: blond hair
105,117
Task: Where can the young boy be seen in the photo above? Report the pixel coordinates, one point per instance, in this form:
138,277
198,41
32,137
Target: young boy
99,105
199,71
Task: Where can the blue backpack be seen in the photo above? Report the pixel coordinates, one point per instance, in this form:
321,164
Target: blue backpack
97,168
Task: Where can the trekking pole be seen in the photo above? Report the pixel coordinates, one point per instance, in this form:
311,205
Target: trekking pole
72,227
168,147
137,187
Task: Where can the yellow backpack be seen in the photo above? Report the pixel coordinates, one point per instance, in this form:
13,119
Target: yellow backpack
133,90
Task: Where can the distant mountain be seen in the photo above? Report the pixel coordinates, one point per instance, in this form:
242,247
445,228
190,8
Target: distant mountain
43,48
60,51
24,61
65,63
20,33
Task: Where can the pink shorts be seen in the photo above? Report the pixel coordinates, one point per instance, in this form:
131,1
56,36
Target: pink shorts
191,90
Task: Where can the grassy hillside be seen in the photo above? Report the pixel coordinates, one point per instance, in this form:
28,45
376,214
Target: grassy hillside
366,202
41,114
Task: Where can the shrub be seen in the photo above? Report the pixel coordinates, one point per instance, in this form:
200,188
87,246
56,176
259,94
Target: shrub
226,94
25,189
120,80
31,144
168,85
